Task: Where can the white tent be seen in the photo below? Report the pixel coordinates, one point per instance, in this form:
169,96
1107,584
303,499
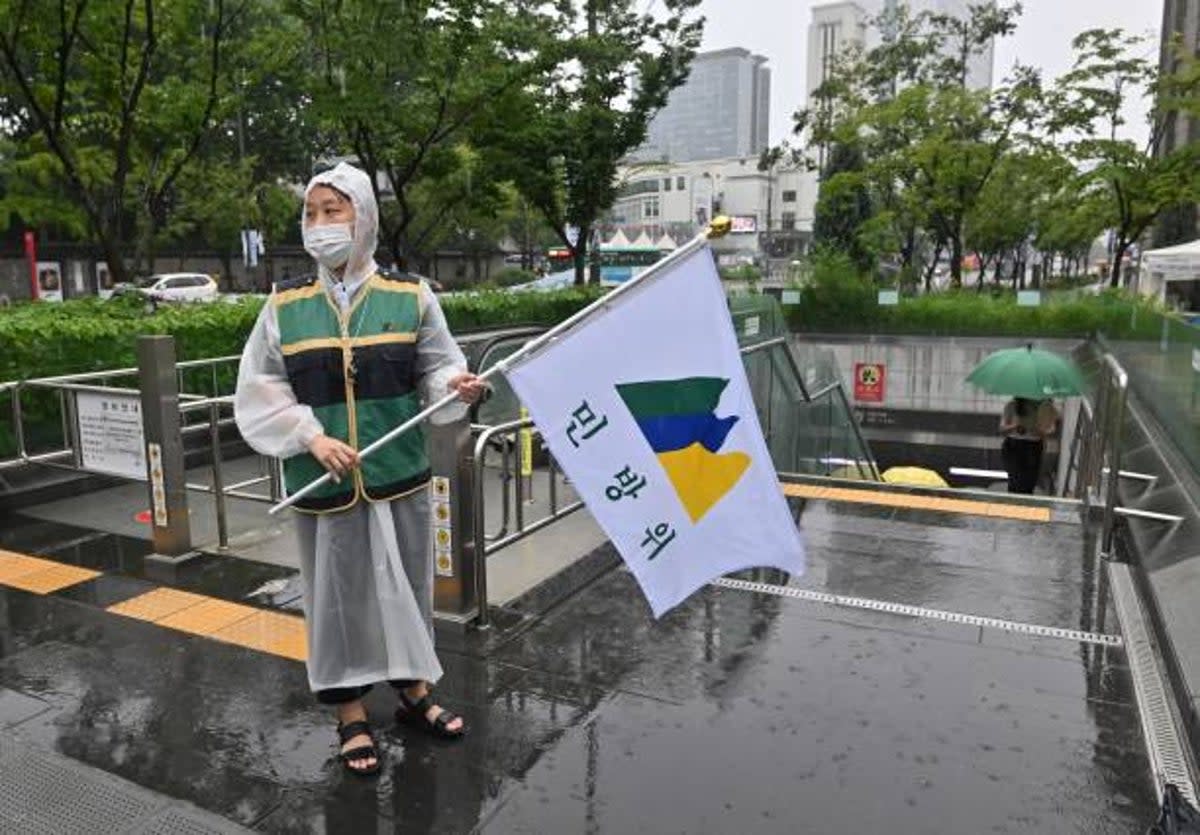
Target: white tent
617,241
1160,267
643,240
666,243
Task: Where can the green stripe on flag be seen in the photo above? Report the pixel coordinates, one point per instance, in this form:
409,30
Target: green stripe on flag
690,396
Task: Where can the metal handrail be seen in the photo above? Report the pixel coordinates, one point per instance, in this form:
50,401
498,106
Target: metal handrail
813,397
480,547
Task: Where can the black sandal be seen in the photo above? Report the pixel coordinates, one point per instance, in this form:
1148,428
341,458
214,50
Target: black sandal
414,714
346,733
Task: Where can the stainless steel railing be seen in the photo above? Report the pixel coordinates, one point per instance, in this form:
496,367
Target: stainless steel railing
483,545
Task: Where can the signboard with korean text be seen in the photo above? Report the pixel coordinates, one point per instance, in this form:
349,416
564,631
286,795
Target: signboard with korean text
111,439
662,439
870,382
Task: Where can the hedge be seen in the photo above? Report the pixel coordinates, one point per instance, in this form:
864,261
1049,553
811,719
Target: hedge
42,340
837,299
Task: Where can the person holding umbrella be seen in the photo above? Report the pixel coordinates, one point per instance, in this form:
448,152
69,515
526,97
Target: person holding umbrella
1031,376
1025,425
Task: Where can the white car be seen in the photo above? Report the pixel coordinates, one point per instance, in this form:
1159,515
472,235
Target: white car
179,287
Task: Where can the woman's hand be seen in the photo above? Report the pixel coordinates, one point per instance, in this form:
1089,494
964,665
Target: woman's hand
469,387
336,457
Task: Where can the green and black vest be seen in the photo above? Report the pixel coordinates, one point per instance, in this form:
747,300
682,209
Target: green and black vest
358,373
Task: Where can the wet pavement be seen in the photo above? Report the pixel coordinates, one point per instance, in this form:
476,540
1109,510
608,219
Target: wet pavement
740,712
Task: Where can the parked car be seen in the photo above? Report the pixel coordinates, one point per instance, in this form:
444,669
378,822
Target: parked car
178,287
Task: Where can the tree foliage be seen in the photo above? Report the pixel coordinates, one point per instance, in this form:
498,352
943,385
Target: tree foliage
1026,165
562,142
111,102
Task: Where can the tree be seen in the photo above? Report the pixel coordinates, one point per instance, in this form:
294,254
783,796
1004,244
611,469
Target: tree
113,101
402,85
930,145
844,205
1133,184
1015,206
562,143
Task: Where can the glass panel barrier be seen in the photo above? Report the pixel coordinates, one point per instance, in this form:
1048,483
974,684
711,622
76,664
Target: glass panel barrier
1165,374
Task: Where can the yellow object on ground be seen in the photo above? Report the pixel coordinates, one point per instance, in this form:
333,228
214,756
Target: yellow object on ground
914,476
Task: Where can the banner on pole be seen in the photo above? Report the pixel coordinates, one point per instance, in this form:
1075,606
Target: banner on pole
646,407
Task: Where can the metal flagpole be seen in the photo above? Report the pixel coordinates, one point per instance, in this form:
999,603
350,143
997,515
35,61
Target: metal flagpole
718,227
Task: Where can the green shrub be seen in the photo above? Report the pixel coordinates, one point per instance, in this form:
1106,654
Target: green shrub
743,272
842,303
834,293
511,277
45,340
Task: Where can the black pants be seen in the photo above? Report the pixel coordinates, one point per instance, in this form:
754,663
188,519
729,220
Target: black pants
1023,462
341,695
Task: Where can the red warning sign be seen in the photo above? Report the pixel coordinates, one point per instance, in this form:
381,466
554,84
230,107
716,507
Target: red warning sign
870,382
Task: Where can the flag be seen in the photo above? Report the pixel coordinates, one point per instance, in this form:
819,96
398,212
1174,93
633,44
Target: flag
646,407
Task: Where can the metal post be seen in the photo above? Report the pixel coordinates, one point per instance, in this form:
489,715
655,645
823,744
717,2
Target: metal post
214,429
275,478
164,448
479,538
455,566
519,482
1115,425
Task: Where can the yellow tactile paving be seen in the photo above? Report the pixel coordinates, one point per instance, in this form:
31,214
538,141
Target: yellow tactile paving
57,577
17,565
916,502
158,604
37,575
272,632
208,617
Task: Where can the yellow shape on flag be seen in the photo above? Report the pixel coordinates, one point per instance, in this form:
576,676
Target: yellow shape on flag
702,478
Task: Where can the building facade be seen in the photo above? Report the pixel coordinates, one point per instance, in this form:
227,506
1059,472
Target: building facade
678,199
722,110
835,28
1181,22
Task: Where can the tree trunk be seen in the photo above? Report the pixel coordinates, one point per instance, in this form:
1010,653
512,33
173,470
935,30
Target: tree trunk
932,268
226,282
112,257
1114,275
580,250
956,261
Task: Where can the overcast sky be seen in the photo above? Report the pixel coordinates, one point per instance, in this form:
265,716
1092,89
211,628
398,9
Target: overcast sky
778,29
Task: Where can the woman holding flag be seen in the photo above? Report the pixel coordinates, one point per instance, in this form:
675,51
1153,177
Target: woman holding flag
336,360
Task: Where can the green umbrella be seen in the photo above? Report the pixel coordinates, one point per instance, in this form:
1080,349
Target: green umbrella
1027,372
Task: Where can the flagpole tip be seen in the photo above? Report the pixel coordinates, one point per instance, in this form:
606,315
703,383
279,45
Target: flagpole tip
719,227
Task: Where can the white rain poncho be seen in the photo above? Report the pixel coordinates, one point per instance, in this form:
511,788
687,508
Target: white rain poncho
367,571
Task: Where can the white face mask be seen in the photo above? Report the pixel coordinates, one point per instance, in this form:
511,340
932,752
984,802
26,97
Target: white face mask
330,245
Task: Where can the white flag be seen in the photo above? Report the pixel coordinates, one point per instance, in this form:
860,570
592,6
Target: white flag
646,407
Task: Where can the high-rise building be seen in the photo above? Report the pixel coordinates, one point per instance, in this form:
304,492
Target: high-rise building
1181,19
980,64
835,28
722,110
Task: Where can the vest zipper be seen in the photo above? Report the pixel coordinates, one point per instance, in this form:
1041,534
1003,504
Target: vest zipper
351,408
